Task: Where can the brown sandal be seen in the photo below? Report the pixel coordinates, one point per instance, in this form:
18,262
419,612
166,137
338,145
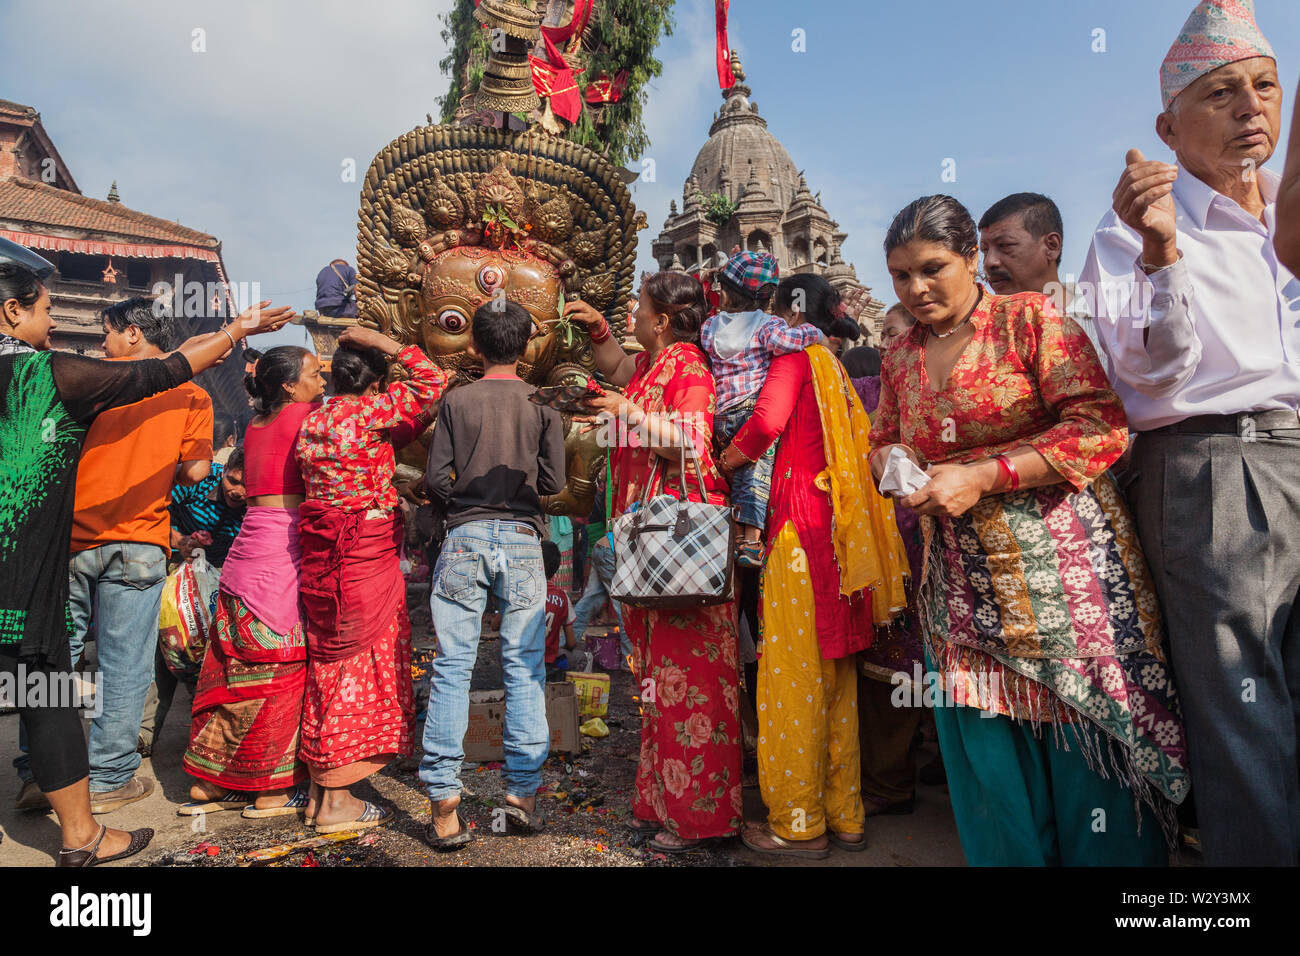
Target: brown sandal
530,822
849,846
462,837
88,855
782,847
689,846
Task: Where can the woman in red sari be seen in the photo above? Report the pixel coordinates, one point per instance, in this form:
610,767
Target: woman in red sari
688,781
243,747
359,708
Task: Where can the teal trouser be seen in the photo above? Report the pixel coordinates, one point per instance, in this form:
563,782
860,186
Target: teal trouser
1022,800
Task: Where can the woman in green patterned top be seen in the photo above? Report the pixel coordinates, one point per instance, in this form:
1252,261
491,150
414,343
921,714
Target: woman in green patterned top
47,401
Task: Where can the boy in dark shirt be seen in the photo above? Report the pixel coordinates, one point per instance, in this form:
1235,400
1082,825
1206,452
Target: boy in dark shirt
494,454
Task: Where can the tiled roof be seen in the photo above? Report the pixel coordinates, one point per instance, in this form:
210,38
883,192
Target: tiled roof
17,109
37,203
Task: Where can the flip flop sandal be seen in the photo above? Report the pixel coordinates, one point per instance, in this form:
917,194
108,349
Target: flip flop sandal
296,802
784,847
645,826
462,837
88,857
371,816
846,845
532,822
687,848
230,800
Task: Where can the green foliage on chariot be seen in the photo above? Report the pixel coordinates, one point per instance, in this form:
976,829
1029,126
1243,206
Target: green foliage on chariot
621,35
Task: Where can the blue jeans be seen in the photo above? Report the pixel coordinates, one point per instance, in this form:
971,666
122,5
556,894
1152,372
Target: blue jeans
479,558
751,485
597,593
119,586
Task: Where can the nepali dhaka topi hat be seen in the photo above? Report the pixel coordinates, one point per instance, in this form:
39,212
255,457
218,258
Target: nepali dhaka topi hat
1217,33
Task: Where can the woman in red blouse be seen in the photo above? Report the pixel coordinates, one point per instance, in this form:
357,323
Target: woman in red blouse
244,732
1037,608
835,566
359,709
688,778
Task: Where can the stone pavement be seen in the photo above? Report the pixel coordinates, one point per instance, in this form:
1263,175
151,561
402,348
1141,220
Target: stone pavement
582,835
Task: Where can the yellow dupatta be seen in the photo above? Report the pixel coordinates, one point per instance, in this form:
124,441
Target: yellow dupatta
868,548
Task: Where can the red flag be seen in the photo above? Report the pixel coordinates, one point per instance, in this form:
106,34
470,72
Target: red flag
577,23
726,79
605,90
553,78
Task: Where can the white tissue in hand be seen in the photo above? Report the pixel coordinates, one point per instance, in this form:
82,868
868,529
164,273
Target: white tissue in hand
901,477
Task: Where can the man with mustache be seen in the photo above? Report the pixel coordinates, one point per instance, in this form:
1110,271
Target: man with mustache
1020,240
1203,340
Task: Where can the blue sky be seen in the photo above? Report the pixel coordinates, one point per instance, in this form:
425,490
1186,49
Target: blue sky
248,139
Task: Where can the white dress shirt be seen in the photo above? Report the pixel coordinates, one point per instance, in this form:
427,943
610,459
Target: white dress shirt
1216,333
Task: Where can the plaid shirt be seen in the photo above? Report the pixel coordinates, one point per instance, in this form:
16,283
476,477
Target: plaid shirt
741,377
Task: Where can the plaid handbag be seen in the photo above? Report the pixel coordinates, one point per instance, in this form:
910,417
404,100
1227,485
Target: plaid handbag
671,552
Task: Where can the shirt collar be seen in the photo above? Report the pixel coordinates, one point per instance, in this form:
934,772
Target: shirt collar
1196,197
980,317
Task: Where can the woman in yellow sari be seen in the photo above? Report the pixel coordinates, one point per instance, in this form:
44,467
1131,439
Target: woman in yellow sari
834,568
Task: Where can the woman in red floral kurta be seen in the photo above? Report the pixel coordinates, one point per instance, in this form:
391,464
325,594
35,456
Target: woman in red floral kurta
688,777
1037,606
359,709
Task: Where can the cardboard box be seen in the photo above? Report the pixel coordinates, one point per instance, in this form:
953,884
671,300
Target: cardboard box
487,712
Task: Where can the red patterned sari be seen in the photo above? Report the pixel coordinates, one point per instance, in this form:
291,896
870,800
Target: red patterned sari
688,775
244,733
359,711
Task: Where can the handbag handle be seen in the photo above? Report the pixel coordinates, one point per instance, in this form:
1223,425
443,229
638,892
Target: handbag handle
686,491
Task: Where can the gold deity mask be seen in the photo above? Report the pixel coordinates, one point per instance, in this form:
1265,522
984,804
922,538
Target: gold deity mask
453,217
460,280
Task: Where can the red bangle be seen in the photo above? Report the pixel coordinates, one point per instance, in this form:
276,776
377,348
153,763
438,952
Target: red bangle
601,335
1005,466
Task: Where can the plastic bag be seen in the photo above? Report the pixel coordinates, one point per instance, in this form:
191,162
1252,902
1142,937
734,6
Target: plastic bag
901,477
593,693
189,607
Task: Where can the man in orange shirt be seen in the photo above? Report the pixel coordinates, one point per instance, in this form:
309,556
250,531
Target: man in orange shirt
121,538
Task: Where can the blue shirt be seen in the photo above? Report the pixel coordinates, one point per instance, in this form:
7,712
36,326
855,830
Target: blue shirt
335,289
203,507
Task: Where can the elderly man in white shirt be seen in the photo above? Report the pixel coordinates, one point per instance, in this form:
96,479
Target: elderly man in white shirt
1200,328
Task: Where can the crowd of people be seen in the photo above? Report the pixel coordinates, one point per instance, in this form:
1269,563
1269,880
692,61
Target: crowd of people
1057,518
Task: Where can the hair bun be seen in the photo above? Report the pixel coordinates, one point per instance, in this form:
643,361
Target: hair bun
844,328
251,354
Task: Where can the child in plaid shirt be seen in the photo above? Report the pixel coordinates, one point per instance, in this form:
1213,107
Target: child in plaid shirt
740,342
